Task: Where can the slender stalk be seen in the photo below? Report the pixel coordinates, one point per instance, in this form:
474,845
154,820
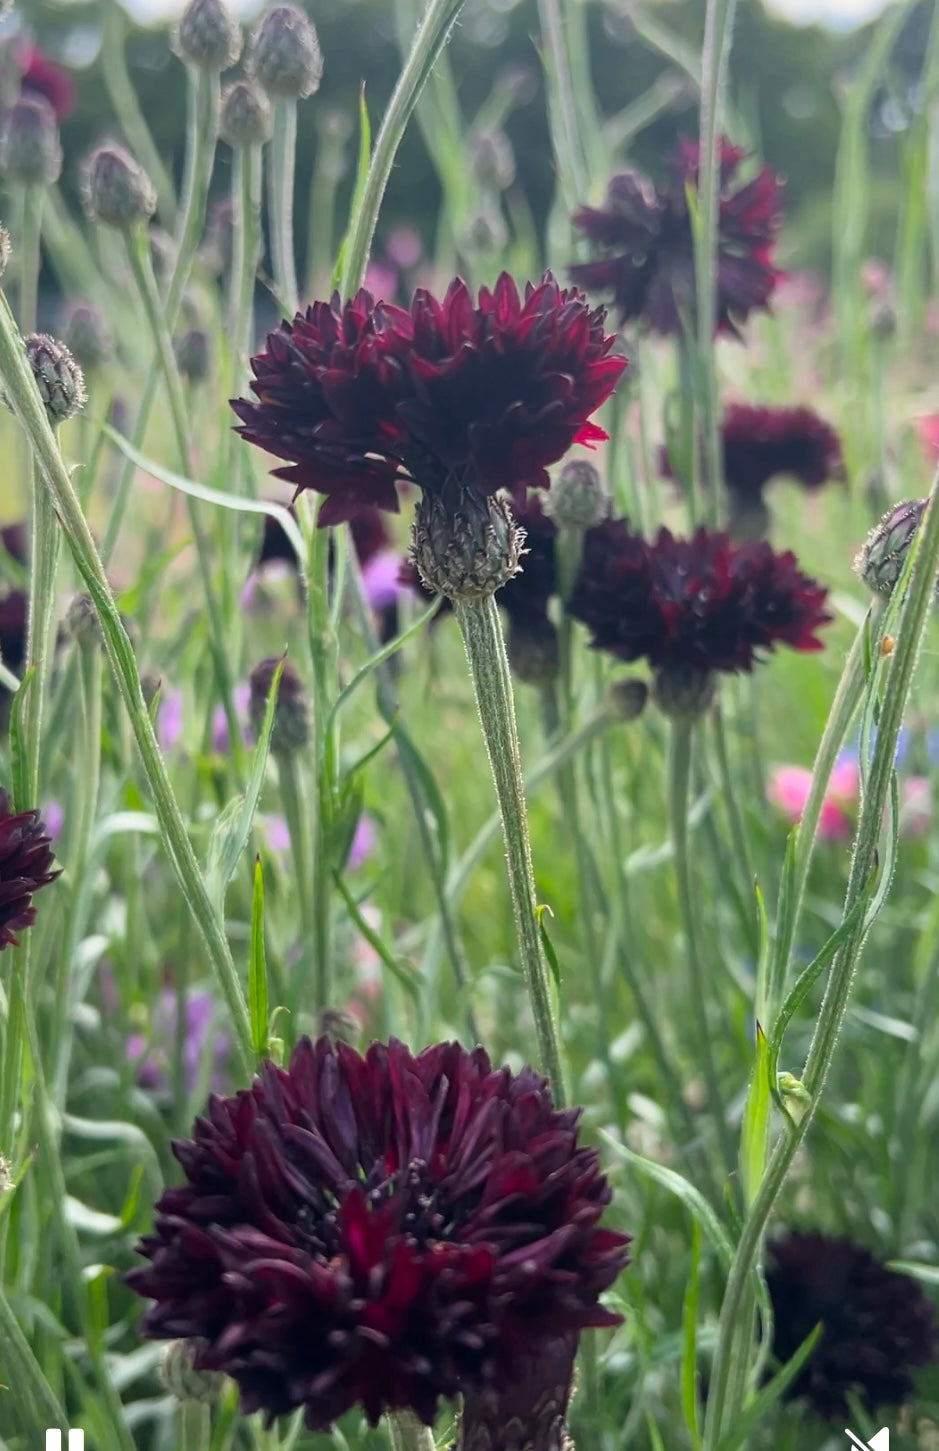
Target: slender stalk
734,1341
489,669
123,98
27,405
23,1370
407,1433
566,138
195,1426
293,796
431,36
246,203
280,182
708,464
679,777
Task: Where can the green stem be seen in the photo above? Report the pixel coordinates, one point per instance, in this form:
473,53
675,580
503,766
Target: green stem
24,398
123,98
246,204
679,777
283,152
22,1369
567,141
293,797
489,668
29,256
407,1433
734,1341
430,38
195,1426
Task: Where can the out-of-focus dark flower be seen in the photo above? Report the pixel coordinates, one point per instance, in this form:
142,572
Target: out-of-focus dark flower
380,1231
762,443
703,603
291,728
877,1325
86,334
461,399
644,238
152,1054
30,149
193,350
25,866
40,76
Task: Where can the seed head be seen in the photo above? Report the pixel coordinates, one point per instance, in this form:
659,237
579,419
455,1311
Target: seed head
207,36
291,730
880,561
87,336
30,149
577,499
60,379
116,190
285,54
682,692
193,354
246,116
81,619
466,552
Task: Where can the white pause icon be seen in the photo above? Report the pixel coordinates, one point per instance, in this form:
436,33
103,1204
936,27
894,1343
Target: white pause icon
76,1441
880,1442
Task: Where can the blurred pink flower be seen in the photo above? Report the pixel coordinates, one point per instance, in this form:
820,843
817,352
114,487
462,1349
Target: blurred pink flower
381,280
789,789
404,246
876,277
380,578
169,720
53,816
928,430
363,842
915,806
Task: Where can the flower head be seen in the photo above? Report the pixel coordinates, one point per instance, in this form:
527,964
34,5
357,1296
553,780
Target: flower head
877,1325
25,866
461,399
380,1230
762,443
789,788
703,603
643,235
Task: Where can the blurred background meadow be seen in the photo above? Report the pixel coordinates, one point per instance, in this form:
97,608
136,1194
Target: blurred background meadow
380,868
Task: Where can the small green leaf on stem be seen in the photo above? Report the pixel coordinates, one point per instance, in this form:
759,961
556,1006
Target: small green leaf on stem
257,968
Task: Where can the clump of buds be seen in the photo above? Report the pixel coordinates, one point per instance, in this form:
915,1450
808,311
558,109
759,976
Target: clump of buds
30,149
284,55
207,36
59,378
116,190
246,116
291,731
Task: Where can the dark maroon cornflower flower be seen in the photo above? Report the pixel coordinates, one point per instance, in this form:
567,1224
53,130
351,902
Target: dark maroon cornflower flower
25,862
761,443
379,1231
878,1326
703,603
462,400
646,249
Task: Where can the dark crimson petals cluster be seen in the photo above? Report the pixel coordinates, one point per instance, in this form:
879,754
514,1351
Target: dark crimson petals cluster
382,1230
763,443
645,245
25,866
453,396
878,1326
704,603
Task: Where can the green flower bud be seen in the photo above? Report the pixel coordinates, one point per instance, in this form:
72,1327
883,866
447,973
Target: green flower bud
60,379
193,355
285,54
116,191
87,336
533,648
30,149
82,623
246,118
207,36
880,560
794,1095
577,499
466,553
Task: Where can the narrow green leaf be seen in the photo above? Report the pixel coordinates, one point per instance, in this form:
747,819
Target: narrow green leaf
689,1326
548,945
754,1136
926,1274
379,658
257,969
361,177
431,791
404,975
18,752
753,1416
233,827
690,1197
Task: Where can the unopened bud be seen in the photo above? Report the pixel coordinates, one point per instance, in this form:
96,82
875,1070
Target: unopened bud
30,149
748,518
207,36
181,1378
794,1095
626,699
285,54
683,693
486,233
492,160
291,731
193,355
467,553
87,336
116,190
533,648
577,498
81,619
59,378
246,116
880,561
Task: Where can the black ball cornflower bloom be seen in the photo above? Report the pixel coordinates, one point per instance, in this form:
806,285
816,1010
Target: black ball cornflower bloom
25,866
292,722
703,604
379,1231
761,444
878,1326
459,398
643,237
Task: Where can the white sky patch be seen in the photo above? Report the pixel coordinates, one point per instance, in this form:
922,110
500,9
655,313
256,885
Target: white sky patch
840,14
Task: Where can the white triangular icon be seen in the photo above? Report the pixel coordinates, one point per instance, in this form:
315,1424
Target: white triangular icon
878,1442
